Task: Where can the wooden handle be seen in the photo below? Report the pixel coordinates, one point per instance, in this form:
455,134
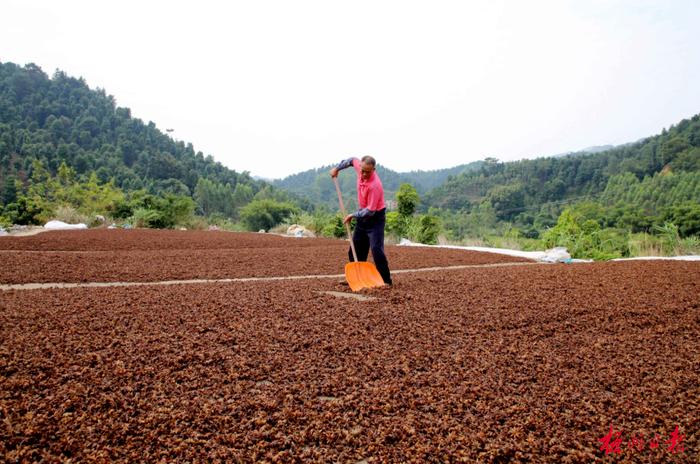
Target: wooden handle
342,209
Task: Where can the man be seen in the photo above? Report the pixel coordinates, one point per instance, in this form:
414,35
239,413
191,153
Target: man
371,217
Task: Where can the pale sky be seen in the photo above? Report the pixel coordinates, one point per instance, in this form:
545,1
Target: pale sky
277,87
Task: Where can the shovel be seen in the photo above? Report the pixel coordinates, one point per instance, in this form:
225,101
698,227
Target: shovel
358,274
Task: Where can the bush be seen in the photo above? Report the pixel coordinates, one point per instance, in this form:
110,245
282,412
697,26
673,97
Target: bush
395,224
687,215
224,223
564,233
160,213
70,215
195,223
316,222
673,244
689,246
335,228
140,199
150,218
425,229
643,244
584,238
123,209
175,210
25,211
608,244
265,214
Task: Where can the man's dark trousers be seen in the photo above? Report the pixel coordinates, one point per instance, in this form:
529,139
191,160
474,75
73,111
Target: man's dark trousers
369,234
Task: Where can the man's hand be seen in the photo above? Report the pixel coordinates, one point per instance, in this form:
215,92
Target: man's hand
334,172
347,219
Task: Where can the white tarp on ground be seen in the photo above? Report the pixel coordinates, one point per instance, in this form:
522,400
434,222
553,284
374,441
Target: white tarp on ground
60,225
3,232
675,258
295,230
555,255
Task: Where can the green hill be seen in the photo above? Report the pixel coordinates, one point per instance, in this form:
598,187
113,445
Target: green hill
317,186
64,144
60,120
520,189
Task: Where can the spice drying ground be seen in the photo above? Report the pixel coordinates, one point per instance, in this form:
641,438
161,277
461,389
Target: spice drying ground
115,255
519,364
150,239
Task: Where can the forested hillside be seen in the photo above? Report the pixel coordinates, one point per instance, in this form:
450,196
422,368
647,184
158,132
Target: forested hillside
49,122
519,189
67,151
637,199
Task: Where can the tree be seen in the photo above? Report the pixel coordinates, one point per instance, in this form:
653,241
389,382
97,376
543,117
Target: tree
686,216
428,229
671,148
213,197
66,175
175,209
507,200
9,191
408,199
242,194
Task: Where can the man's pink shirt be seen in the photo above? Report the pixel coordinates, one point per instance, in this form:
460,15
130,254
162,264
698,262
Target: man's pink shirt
370,193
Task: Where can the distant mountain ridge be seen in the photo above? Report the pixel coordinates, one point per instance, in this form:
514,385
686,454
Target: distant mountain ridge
597,148
316,185
593,149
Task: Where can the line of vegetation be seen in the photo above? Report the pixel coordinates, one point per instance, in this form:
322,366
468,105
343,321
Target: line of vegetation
68,152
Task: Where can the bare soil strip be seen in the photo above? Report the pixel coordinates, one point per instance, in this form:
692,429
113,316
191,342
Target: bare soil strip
355,296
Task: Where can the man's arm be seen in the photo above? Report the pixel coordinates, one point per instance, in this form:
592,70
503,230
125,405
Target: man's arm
363,213
342,165
346,163
359,214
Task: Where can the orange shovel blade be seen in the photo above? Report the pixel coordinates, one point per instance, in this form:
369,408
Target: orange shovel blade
362,275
